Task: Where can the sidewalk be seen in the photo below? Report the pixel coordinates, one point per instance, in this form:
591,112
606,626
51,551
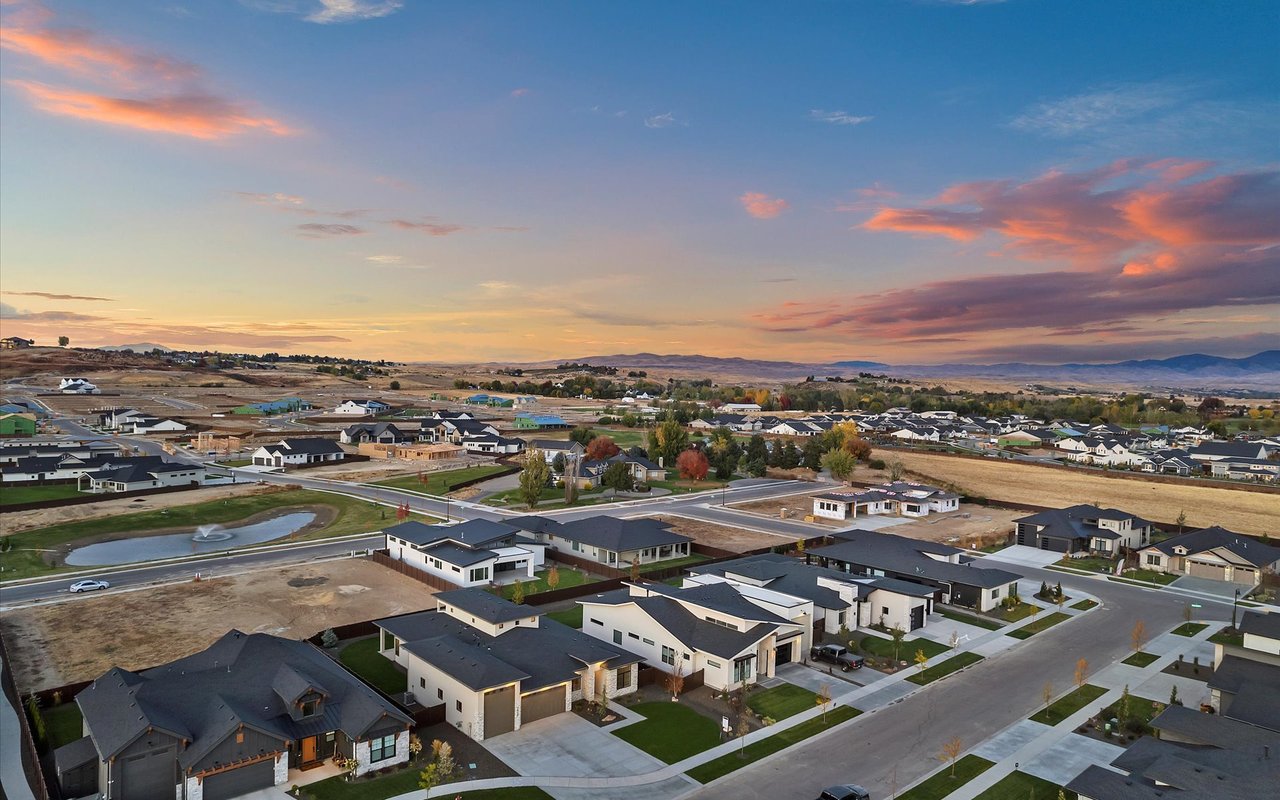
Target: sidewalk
13,778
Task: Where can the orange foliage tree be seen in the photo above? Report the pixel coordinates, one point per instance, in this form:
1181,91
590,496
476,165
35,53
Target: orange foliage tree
600,448
693,465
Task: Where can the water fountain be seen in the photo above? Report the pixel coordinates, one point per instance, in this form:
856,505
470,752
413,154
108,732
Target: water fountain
211,533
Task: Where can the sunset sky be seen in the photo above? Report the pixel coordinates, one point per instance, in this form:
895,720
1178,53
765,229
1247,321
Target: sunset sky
911,181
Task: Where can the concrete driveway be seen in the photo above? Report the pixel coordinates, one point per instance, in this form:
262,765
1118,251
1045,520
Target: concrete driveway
1025,556
1210,586
566,745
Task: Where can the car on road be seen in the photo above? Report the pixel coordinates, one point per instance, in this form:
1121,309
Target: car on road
838,655
845,791
88,585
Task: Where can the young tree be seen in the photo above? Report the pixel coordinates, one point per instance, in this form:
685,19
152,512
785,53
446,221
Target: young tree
741,729
1173,696
951,750
1181,521
534,477
1046,693
600,448
921,659
675,680
63,341
823,699
618,477
517,592
1138,636
559,463
1082,672
553,577
668,441
897,633
839,463
635,569
692,465
1124,706
1187,613
895,470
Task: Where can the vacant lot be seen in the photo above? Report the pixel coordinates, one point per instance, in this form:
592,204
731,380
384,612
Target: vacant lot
43,518
1247,512
971,526
796,507
80,639
723,536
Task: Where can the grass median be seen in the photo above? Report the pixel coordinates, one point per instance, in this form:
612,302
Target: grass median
731,762
1141,659
1068,704
1039,625
442,482
947,780
945,668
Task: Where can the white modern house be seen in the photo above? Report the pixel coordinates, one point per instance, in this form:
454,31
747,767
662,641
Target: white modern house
607,540
77,386
362,408
298,452
473,553
900,498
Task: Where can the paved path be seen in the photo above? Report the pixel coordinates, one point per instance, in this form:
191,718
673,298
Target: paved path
13,778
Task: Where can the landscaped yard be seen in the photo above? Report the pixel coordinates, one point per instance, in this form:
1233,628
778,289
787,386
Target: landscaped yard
719,767
442,482
349,515
63,724
569,616
782,701
670,732
12,495
551,497
956,662
1090,564
1228,636
1141,712
363,659
1023,786
1190,628
1141,659
1068,704
569,576
236,462
879,646
1151,576
1020,611
1084,605
970,619
1043,622
682,561
941,783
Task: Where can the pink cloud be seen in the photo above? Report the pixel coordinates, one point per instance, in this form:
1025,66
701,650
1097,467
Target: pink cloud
429,228
762,206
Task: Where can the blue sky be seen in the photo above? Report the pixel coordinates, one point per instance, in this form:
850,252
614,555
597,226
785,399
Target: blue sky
897,180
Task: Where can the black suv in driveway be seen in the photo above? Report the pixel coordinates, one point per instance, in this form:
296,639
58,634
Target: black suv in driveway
846,791
836,654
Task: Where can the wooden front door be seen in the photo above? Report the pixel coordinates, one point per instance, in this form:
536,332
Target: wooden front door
309,749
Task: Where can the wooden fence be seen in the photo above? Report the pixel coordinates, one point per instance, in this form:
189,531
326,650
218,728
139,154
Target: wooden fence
434,581
26,742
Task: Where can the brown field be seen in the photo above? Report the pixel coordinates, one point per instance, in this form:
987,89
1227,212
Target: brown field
723,536
794,507
1246,512
80,639
971,526
16,522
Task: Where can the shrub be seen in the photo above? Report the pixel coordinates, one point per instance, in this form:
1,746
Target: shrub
329,639
876,463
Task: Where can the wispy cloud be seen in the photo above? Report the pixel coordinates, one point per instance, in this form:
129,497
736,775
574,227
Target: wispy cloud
272,198
837,117
428,227
496,286
52,296
385,259
353,10
521,92
762,206
660,120
321,230
1098,108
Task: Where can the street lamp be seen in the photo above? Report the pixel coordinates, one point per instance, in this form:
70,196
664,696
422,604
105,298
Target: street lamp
1234,605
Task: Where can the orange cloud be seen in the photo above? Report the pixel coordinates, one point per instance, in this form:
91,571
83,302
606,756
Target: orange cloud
195,115
953,225
77,50
1150,265
762,206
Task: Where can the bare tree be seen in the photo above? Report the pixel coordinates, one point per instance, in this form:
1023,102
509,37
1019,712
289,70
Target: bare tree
675,680
951,750
897,633
1138,636
1082,672
1046,694
823,699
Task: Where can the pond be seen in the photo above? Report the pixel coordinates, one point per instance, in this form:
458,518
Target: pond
194,541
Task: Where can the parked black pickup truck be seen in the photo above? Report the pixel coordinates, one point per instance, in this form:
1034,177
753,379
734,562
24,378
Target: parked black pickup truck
836,654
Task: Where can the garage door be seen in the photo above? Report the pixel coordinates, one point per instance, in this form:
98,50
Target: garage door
1244,575
152,774
1199,569
235,782
543,704
784,653
499,711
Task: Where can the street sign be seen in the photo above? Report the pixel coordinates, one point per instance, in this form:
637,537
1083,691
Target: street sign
1196,605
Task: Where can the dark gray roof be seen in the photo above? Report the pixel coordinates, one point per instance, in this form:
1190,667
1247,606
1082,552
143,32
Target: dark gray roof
1238,544
718,597
783,574
1072,522
196,698
312,445
471,665
555,445
75,754
485,605
1259,623
1233,673
905,558
619,535
694,632
534,523
1229,449
1161,768
1213,730
474,533
458,555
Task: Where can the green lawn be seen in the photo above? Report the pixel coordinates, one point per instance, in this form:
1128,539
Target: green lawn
1090,564
353,516
1022,786
1084,605
879,646
941,783
569,576
625,437
1190,628
970,619
782,701
670,732
682,561
682,486
719,767
439,483
1150,575
1141,659
1228,636
63,723
12,495
236,462
405,781
1042,622
551,497
1068,704
363,659
569,616
1020,611
956,662
1141,711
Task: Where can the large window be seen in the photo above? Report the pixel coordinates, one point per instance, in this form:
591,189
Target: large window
479,574
624,677
668,656
742,669
1153,560
383,748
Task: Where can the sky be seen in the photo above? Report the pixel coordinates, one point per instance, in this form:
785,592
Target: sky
907,181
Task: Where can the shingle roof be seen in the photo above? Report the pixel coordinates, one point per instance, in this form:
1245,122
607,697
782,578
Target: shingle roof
1259,623
1070,523
689,629
1244,547
619,535
485,605
906,557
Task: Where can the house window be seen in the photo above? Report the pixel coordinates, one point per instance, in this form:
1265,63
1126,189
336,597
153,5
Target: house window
439,694
647,641
309,708
633,635
624,677
713,664
576,685
995,593
595,621
742,669
668,655
458,705
884,610
480,574
840,618
617,637
422,683
1153,559
382,748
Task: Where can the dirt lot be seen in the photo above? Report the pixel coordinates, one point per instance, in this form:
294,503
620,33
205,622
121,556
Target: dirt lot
723,536
1246,512
794,507
971,526
26,520
80,639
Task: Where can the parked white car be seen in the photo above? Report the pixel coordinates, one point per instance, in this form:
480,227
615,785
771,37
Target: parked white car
88,585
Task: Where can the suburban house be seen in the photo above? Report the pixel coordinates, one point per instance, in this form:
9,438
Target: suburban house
953,578
1214,553
247,713
144,472
282,406
901,498
117,418
362,408
642,469
1246,469
496,666
473,553
826,598
1246,677
77,386
411,452
17,424
380,432
1210,451
16,343
141,425
550,448
491,443
298,452
608,540
1083,530
740,408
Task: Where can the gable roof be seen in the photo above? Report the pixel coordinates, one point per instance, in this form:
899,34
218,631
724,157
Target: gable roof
311,445
485,605
1073,522
1239,545
1259,623
907,557
619,535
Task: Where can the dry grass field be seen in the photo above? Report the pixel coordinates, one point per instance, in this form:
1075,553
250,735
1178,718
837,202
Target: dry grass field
80,639
1246,512
723,536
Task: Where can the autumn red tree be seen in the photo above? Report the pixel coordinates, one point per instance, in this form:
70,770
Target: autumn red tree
693,465
600,448
858,448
